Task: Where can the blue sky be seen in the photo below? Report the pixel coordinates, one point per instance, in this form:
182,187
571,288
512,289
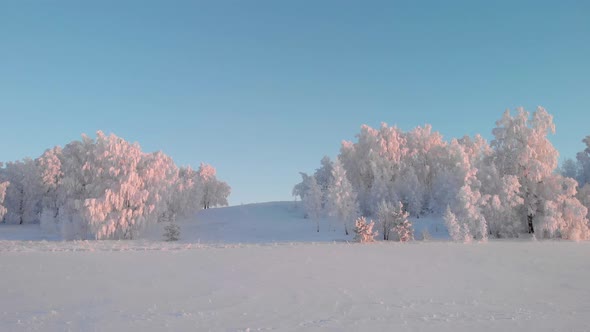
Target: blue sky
263,89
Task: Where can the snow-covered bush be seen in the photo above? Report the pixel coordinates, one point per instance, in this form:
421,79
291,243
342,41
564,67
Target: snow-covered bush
363,231
172,232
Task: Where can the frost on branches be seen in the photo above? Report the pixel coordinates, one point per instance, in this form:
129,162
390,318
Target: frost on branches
363,231
106,188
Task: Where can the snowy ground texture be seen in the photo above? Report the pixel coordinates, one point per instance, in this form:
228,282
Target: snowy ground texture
264,268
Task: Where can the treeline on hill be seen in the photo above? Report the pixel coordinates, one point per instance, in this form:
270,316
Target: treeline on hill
104,188
504,189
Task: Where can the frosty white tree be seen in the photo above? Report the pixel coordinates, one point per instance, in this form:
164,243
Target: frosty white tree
312,201
23,196
342,200
583,166
215,192
51,175
570,169
386,218
402,227
546,202
363,230
186,196
455,231
3,187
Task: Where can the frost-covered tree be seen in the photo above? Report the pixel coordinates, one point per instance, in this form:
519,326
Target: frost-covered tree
570,169
23,196
562,214
393,218
469,214
402,227
453,226
404,231
522,149
410,191
500,205
356,159
50,172
425,148
111,188
323,177
583,196
583,158
342,199
386,218
301,188
312,201
186,197
525,193
363,230
458,231
215,192
3,187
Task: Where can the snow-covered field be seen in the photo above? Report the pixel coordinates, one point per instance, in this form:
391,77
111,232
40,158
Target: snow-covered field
262,267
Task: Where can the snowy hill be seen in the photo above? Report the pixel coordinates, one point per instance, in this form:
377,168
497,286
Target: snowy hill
262,223
273,222
254,223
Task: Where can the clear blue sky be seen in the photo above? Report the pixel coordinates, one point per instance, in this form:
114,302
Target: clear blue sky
264,89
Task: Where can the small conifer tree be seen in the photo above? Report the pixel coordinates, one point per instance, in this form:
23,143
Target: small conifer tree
364,231
172,232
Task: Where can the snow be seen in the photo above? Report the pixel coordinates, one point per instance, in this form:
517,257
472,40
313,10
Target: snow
263,267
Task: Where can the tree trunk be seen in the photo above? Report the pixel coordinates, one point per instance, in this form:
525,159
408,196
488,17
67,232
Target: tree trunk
530,224
22,208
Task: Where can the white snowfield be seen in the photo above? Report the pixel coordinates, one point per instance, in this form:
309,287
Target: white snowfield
264,268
